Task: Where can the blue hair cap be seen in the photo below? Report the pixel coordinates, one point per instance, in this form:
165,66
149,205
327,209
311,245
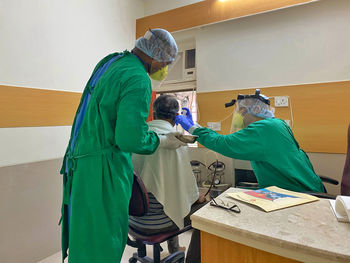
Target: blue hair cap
158,44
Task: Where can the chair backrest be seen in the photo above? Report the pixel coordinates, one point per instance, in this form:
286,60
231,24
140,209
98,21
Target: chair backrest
345,182
139,202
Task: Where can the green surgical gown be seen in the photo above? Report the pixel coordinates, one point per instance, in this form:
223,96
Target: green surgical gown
99,180
275,155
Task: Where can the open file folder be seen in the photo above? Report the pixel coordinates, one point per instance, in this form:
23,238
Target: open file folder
341,208
272,198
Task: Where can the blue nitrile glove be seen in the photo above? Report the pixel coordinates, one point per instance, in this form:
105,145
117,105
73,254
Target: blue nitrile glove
185,121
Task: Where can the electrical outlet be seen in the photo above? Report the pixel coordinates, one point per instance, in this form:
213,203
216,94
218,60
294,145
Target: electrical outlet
215,126
281,101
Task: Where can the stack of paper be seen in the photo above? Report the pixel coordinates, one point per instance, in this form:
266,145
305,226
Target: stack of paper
341,208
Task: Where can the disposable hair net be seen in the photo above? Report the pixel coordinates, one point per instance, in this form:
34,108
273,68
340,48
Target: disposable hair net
158,44
165,107
256,107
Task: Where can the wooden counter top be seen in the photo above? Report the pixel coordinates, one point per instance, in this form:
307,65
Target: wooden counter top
308,232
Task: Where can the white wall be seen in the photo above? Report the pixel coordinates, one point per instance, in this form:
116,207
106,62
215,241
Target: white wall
30,209
304,44
26,145
157,6
55,45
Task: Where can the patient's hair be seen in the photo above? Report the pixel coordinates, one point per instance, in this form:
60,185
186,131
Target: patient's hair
165,107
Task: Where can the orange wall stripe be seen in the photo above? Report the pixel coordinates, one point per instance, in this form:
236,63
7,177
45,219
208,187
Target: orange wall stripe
208,12
321,112
27,107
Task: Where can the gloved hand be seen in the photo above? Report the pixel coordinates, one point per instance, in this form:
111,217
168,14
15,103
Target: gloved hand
185,121
169,141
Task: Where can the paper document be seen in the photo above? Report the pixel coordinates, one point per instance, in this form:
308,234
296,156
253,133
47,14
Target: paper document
341,208
273,198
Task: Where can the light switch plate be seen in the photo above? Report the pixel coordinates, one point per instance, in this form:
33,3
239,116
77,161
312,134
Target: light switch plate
215,126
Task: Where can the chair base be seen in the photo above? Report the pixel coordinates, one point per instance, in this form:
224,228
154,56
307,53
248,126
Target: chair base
140,242
177,257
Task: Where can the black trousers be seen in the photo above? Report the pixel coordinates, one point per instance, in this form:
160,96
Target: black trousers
194,249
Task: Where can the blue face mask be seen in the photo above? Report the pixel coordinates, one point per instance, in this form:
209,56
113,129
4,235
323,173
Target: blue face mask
264,114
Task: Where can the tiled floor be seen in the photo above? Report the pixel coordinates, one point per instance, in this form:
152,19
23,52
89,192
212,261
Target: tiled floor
184,241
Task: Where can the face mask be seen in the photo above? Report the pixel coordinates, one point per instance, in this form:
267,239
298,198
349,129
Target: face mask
237,121
160,74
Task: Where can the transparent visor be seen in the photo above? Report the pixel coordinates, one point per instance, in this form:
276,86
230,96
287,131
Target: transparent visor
238,118
258,109
157,85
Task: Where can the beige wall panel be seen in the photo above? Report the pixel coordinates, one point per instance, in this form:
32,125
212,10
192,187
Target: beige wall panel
26,107
208,12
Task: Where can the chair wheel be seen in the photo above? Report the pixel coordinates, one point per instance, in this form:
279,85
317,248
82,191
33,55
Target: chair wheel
132,260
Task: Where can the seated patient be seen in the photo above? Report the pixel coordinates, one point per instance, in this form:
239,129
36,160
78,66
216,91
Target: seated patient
168,177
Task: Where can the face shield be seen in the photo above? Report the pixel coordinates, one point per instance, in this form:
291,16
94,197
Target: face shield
159,76
238,118
159,45
256,105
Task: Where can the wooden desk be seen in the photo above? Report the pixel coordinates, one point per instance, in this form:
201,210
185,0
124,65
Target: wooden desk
305,233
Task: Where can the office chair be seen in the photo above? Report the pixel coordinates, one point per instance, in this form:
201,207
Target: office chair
245,179
139,204
325,179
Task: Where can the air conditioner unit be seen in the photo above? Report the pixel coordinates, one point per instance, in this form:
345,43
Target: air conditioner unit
183,68
190,64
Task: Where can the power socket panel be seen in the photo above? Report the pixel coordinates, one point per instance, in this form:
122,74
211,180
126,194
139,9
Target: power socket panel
281,101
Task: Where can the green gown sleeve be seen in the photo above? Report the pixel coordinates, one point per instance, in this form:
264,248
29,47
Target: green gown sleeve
245,144
131,132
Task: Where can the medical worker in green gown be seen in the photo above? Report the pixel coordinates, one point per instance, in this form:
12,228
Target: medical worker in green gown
267,142
110,125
